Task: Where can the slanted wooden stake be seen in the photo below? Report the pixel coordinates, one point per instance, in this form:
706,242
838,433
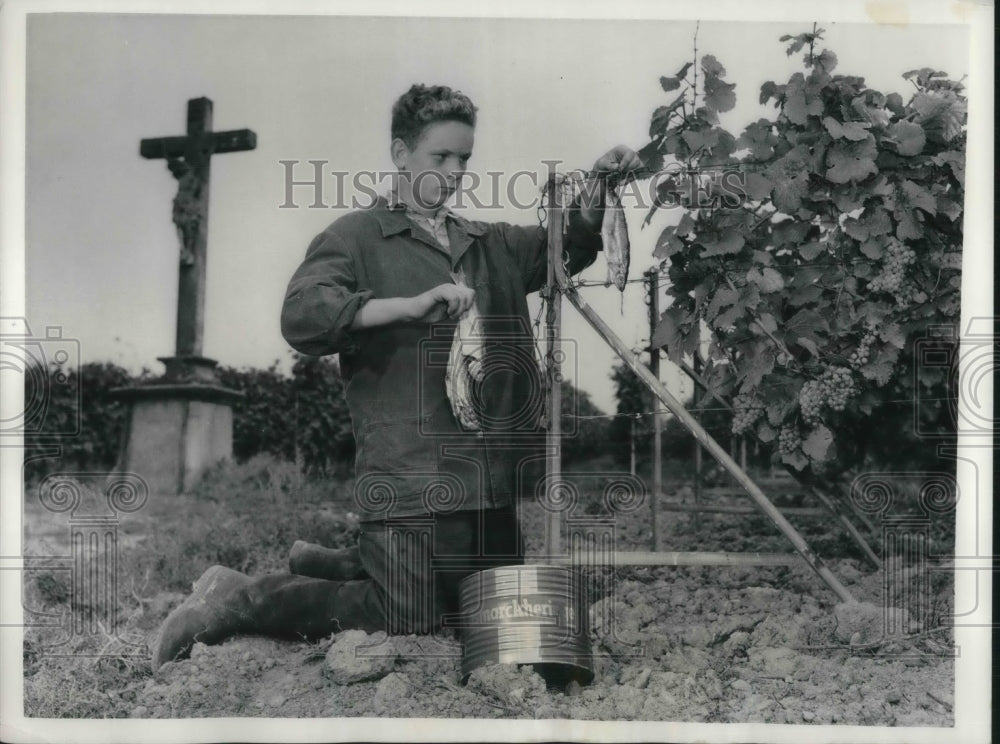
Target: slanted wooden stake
702,436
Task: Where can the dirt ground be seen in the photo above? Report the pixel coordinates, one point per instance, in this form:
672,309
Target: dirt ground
698,644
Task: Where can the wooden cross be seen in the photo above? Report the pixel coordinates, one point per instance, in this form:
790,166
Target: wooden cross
188,158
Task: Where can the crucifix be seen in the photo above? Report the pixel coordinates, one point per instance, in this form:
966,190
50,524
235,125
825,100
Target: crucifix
188,158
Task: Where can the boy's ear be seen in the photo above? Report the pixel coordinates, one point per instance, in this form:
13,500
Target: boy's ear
399,152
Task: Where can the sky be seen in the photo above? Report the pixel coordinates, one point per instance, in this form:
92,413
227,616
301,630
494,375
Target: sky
101,252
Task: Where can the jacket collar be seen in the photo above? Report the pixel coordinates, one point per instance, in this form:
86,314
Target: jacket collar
394,220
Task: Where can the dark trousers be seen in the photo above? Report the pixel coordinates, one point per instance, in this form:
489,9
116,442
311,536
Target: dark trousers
414,567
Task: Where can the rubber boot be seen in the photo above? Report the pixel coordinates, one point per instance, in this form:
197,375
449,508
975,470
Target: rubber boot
308,559
226,602
217,608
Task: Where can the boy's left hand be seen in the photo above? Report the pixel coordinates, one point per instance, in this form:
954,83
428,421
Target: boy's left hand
620,159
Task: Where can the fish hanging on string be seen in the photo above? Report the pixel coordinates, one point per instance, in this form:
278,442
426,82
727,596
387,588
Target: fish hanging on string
614,235
465,365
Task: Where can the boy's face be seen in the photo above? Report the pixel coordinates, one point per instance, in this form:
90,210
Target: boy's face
431,170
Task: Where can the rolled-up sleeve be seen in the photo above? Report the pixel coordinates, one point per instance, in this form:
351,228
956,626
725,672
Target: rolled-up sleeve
529,248
322,299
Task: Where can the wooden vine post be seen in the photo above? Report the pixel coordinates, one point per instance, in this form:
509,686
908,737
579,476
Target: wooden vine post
654,367
553,353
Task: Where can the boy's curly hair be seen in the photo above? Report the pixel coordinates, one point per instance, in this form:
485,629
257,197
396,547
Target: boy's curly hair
425,104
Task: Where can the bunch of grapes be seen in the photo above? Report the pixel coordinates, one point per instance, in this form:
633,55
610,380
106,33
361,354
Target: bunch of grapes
892,277
860,356
833,389
746,410
788,439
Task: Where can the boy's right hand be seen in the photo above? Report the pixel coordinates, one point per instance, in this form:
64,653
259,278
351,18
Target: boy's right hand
443,301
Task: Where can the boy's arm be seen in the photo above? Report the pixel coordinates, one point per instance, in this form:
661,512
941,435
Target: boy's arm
583,239
323,303
322,299
432,306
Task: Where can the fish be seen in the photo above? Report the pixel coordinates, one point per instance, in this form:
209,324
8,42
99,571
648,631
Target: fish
466,365
614,236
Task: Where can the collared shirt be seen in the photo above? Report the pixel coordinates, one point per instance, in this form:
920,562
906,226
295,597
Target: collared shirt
434,225
412,457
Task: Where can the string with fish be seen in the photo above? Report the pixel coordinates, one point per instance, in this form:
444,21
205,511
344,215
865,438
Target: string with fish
614,236
466,368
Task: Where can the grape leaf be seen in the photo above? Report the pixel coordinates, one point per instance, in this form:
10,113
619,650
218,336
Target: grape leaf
826,61
848,197
874,248
721,245
880,372
759,138
790,176
856,229
817,444
880,365
850,130
800,101
942,113
955,161
724,297
894,102
796,459
669,83
869,106
767,322
923,75
700,139
765,433
908,227
651,156
662,115
909,138
770,90
806,323
686,225
804,295
916,196
678,337
684,70
668,243
668,193
851,161
948,207
790,232
768,280
757,187
726,319
756,365
809,345
893,334
711,66
719,95
873,222
706,115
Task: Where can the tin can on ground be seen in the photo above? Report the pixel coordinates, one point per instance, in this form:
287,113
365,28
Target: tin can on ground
534,615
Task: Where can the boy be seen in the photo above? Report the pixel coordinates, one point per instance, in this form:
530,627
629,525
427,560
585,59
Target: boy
436,502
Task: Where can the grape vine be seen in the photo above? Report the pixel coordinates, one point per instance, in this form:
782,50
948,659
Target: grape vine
815,247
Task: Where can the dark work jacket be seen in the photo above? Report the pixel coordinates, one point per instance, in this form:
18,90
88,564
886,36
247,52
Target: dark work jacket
412,456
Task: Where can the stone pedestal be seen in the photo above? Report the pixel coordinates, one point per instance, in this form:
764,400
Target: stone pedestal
178,427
